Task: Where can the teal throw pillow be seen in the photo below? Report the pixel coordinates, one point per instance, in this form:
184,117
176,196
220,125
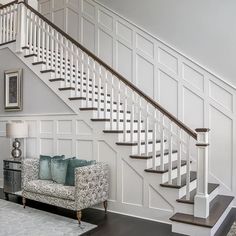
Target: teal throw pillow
45,166
59,170
73,164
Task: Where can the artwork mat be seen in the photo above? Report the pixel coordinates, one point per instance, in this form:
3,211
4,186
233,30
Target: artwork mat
18,105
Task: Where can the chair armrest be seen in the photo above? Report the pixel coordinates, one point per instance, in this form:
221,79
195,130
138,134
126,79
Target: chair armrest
91,185
30,170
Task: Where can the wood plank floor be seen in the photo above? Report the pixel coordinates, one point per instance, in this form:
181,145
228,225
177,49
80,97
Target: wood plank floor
115,224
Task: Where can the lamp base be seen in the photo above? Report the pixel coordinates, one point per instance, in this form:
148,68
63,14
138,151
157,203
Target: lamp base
16,152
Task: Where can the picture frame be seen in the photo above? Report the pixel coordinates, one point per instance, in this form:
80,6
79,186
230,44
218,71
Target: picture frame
13,90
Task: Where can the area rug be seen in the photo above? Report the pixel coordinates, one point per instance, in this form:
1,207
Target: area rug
232,231
17,221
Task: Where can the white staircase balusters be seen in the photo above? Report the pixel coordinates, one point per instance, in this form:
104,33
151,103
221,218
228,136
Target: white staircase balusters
99,79
179,155
39,35
125,107
56,43
21,28
140,125
132,117
147,130
35,45
77,73
154,137
188,167
92,75
111,102
162,142
118,105
105,92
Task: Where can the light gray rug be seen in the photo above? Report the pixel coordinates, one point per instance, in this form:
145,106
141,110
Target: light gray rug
17,221
232,231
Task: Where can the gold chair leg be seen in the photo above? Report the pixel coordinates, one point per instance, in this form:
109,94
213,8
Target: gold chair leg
105,206
24,201
79,216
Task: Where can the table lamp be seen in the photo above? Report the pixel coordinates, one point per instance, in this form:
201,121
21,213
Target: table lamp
16,131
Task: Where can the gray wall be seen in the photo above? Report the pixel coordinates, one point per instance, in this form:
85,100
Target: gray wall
37,97
204,29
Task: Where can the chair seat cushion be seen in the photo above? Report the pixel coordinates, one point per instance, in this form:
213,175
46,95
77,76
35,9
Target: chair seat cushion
50,188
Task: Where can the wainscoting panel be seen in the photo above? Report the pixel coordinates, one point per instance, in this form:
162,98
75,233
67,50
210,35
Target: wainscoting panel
186,89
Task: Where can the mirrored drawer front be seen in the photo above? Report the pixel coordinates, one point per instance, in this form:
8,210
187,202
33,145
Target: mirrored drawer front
12,165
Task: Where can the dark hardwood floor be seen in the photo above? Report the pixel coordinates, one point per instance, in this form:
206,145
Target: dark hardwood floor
115,224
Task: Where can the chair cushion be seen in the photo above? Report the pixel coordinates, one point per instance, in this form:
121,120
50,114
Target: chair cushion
45,166
74,163
50,188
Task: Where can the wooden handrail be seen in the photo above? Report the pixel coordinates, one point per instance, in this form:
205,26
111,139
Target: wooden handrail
8,4
115,73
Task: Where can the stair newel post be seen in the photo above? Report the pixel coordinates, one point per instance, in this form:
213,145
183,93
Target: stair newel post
125,114
170,146
140,126
111,102
201,199
179,156
162,149
118,107
21,27
154,137
188,169
147,129
132,118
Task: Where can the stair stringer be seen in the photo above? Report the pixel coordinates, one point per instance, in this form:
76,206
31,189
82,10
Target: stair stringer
123,153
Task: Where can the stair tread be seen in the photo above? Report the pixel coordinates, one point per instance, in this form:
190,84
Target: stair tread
149,156
136,143
211,188
193,176
217,207
122,131
114,120
166,167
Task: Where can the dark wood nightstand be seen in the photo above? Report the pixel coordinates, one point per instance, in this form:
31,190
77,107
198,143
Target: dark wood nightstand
12,177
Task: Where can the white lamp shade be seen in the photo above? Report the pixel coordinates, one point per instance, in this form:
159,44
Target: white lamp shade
17,130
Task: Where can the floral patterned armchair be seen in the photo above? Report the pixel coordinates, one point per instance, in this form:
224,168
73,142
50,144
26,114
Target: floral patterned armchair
91,187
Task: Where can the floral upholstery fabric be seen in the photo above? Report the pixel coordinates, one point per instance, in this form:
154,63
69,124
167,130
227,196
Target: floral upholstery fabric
50,188
91,186
68,204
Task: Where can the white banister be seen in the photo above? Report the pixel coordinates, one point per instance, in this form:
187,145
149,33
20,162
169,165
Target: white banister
201,199
21,27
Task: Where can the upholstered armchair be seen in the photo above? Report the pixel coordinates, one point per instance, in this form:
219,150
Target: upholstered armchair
91,187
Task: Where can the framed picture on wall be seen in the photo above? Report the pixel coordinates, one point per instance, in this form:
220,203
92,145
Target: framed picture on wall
13,86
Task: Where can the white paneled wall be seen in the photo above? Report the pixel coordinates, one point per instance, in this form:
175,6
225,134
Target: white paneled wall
71,136
186,89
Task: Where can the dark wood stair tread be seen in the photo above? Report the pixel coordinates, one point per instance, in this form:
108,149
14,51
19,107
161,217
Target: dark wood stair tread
166,152
166,167
122,131
211,188
114,120
217,207
135,143
193,176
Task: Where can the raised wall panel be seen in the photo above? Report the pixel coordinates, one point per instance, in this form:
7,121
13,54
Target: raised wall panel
145,75
132,185
221,96
168,93
145,45
45,7
194,77
31,148
64,127
74,3
32,128
124,32
88,34
64,147
82,128
105,20
168,60
59,18
46,147
157,201
109,156
72,19
58,4
88,9
105,47
193,109
124,60
46,127
221,158
84,149
3,128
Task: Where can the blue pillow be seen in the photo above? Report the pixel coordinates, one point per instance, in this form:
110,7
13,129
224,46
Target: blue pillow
59,170
72,165
45,166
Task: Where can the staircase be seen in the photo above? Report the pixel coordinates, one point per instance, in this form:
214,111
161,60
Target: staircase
153,141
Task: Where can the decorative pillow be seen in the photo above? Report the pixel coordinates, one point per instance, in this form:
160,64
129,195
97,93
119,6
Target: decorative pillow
59,169
45,166
74,163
